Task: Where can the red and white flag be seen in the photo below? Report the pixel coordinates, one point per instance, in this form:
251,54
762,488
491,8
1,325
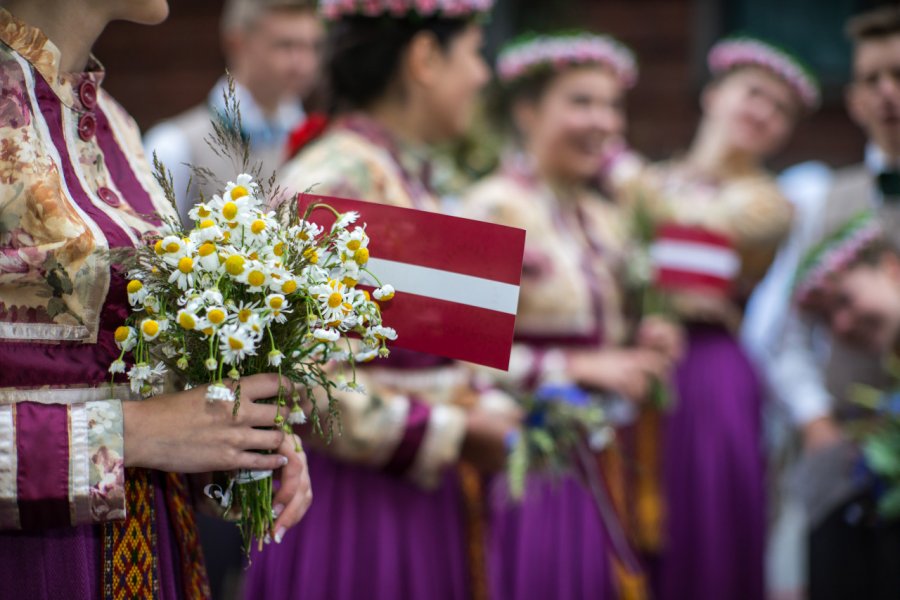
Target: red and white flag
457,280
693,258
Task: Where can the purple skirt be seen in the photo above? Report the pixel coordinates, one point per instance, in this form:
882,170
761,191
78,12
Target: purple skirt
67,562
551,544
714,475
367,535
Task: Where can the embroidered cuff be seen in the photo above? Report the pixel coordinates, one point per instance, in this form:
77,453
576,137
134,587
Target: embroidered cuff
104,449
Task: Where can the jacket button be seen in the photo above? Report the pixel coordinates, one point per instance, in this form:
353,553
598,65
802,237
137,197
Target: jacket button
87,126
87,93
109,196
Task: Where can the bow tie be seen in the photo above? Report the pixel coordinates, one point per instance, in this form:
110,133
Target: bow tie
889,186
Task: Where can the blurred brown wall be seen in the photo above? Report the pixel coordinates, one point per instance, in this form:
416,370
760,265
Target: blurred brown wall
158,71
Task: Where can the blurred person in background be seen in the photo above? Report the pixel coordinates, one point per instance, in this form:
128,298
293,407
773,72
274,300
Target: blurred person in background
721,218
809,371
565,94
394,520
272,50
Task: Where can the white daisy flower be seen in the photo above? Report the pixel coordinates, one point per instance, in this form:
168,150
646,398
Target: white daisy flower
151,305
211,364
348,218
385,292
137,291
274,358
212,296
183,274
126,338
236,343
201,210
277,302
216,315
366,355
306,232
335,300
218,392
207,231
188,320
243,187
326,335
117,366
151,328
296,416
256,276
383,333
208,258
353,246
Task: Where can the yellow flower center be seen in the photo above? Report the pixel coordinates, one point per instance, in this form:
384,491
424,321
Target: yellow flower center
134,286
276,302
353,245
254,255
244,315
335,300
206,223
235,344
206,249
289,286
311,255
278,250
361,256
256,278
229,211
258,226
158,247
186,320
173,247
150,327
302,235
203,212
349,282
122,333
235,265
238,191
186,264
208,331
216,315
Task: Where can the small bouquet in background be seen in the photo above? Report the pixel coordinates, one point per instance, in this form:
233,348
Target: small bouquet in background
249,290
557,419
641,281
880,439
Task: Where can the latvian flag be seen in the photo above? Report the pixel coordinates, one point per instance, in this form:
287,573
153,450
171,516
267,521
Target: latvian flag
694,259
457,280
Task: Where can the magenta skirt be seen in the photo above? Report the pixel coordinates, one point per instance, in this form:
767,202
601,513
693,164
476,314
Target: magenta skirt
714,475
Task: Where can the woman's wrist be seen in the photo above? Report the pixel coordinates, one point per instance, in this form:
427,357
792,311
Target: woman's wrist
132,417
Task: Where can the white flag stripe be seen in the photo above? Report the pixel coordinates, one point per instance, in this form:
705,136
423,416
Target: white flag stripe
696,257
446,285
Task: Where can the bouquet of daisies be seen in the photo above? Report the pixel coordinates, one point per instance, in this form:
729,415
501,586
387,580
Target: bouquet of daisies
249,290
559,420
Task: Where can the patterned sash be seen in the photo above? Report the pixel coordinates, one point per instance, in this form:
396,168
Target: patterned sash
130,550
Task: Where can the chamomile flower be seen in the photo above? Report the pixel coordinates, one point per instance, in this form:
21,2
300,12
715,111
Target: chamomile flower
126,338
201,210
216,315
117,366
188,319
183,274
137,291
326,335
218,392
256,276
296,416
348,218
207,230
212,296
236,343
243,187
274,358
335,300
208,257
384,293
353,245
366,354
151,305
151,328
380,332
276,302
259,230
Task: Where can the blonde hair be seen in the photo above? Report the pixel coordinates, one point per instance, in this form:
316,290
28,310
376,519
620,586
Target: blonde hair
241,15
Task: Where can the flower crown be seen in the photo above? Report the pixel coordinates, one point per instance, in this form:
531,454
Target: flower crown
532,52
336,9
835,253
743,50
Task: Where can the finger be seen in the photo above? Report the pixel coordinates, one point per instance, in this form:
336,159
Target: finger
254,461
295,494
261,439
262,386
260,415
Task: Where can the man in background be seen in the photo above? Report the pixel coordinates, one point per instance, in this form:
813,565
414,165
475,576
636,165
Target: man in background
272,50
849,551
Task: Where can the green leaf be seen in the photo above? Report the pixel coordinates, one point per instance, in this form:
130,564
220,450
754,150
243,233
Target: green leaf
882,452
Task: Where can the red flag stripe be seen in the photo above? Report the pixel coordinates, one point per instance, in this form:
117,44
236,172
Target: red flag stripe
687,233
428,240
451,329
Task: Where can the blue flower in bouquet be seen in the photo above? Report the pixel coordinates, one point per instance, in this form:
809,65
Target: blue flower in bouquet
565,393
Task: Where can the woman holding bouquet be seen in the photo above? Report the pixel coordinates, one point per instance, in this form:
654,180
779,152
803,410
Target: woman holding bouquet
91,503
719,198
565,94
404,75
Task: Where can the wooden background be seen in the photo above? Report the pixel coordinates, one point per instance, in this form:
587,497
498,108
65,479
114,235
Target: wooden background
158,71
